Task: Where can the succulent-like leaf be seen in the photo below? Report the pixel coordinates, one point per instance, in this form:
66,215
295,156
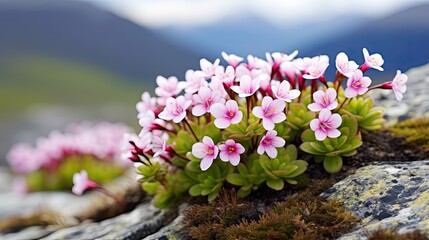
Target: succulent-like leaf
333,164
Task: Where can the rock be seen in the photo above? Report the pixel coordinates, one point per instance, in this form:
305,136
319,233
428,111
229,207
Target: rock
172,230
416,100
137,224
6,180
386,196
65,204
28,233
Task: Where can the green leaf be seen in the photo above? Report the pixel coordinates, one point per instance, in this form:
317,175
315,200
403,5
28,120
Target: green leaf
196,190
151,187
275,184
241,193
308,148
333,164
236,179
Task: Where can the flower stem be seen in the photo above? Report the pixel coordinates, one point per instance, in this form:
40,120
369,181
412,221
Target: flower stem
248,108
342,104
190,128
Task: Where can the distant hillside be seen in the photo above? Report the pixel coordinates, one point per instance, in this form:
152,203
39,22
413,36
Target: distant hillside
250,34
82,32
401,38
39,94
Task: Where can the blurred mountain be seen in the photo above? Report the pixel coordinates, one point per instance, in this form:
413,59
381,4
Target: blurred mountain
402,39
250,34
82,32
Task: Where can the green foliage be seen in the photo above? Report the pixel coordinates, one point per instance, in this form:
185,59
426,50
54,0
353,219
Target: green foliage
62,177
209,182
368,117
331,150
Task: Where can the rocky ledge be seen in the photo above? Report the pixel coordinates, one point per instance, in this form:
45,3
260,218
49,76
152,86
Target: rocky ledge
392,196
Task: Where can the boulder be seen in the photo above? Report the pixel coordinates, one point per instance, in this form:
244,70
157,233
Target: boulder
416,100
386,196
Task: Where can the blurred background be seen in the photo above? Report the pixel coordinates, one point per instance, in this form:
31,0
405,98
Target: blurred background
68,61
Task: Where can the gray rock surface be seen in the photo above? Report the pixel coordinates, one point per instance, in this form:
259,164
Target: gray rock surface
416,99
386,196
137,224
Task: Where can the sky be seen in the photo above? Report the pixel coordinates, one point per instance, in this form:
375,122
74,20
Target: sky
194,13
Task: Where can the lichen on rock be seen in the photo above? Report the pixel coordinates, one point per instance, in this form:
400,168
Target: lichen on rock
386,196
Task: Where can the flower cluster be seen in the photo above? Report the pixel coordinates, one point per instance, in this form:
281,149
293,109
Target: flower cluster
50,164
245,123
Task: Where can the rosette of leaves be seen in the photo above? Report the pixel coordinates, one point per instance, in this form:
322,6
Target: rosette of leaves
368,117
207,183
331,150
274,172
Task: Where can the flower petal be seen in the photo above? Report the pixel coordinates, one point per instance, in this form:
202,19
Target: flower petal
320,135
315,124
218,110
334,133
268,124
206,163
198,110
258,112
314,107
222,123
271,151
199,150
324,115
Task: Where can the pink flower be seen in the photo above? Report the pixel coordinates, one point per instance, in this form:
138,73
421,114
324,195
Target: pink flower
147,103
209,68
271,112
372,61
81,183
206,150
317,68
175,109
324,100
248,86
278,58
282,91
23,158
226,114
397,85
303,63
167,87
254,62
205,99
226,76
230,152
344,66
194,81
326,125
269,143
357,84
232,59
290,71
159,146
149,122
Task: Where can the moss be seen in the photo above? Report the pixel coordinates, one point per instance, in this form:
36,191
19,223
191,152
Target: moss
303,215
416,132
387,234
